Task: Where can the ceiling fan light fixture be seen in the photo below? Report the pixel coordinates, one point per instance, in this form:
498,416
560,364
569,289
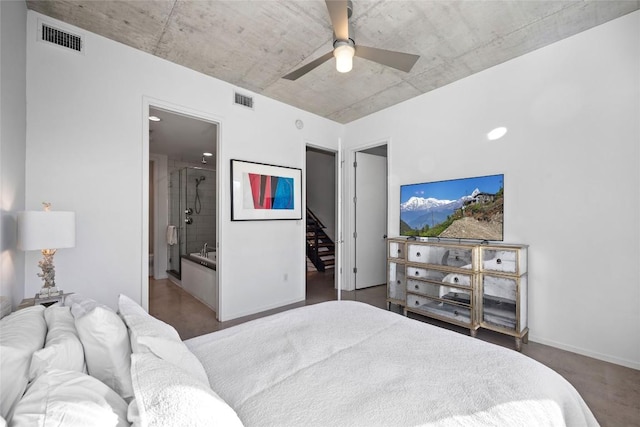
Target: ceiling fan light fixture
344,52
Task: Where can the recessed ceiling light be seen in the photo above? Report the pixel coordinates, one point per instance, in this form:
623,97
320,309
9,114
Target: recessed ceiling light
207,154
154,118
497,133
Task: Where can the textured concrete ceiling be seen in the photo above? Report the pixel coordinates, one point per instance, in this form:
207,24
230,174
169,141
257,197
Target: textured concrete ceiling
252,44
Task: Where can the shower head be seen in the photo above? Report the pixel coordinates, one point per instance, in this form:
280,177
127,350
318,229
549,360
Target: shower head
199,180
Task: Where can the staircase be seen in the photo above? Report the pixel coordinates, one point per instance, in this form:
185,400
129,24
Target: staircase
320,248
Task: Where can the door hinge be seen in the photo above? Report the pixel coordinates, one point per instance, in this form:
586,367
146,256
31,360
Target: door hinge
355,234
355,164
355,269
355,200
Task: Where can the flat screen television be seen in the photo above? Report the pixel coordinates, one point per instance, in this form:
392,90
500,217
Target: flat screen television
466,208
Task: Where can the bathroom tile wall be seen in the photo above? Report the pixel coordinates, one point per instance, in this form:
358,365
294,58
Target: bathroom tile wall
203,228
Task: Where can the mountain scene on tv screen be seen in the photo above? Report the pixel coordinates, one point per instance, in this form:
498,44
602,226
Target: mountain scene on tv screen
477,214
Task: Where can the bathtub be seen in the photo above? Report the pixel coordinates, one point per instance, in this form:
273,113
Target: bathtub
200,278
209,261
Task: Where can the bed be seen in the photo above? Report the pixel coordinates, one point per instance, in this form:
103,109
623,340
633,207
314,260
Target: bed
351,364
338,363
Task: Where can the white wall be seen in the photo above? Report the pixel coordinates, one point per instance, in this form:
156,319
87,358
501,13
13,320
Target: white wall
12,144
161,215
321,188
572,182
85,153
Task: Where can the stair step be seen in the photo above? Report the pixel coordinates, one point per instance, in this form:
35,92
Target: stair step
320,242
320,237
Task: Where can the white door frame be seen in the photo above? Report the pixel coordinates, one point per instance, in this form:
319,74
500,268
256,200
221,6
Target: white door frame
148,102
348,275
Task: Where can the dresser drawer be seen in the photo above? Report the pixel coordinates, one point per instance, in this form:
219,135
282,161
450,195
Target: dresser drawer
440,255
430,306
500,312
397,285
501,287
432,290
396,250
504,302
459,279
507,260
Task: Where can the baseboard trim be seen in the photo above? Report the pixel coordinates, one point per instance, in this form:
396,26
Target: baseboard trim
600,356
263,309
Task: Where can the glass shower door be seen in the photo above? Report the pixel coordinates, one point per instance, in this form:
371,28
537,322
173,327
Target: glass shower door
176,221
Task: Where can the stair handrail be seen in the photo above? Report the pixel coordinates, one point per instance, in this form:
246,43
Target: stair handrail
315,218
317,225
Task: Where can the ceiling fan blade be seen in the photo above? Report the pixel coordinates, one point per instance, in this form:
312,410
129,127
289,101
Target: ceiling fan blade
398,60
296,74
339,18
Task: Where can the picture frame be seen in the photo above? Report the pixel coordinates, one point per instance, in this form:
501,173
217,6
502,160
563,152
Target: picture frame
261,191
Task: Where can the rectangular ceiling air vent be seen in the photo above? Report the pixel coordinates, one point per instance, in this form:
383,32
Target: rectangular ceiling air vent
244,100
61,38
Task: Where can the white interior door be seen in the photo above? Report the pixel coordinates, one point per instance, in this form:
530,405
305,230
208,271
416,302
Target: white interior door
370,219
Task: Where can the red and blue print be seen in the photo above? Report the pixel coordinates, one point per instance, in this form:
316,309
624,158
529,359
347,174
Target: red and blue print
271,192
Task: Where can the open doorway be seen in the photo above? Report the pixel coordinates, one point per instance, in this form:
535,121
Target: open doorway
321,224
183,209
370,212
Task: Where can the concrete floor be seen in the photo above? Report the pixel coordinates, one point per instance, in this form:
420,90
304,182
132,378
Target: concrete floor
611,391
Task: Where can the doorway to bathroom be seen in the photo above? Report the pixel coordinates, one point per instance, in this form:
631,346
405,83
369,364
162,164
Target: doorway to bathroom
183,205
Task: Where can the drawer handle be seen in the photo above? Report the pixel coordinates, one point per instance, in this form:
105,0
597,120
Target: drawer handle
399,282
455,280
498,261
399,252
457,258
417,253
455,312
417,302
417,287
417,273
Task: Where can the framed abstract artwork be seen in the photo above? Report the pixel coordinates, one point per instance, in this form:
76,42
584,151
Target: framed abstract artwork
265,192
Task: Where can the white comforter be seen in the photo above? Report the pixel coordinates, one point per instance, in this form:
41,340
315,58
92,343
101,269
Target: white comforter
351,364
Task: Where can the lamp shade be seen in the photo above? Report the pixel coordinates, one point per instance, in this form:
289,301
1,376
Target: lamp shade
46,230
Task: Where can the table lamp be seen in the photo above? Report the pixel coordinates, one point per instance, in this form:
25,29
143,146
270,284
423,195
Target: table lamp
47,231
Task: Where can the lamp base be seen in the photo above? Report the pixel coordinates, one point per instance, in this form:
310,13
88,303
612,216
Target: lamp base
48,274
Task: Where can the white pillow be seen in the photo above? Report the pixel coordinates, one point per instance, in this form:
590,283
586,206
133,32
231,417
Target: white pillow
149,334
106,344
63,349
21,334
69,398
140,323
166,395
128,306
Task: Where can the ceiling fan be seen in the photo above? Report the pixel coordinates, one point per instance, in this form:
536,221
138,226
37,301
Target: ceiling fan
345,48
